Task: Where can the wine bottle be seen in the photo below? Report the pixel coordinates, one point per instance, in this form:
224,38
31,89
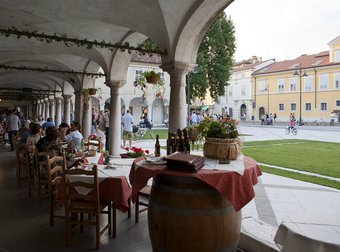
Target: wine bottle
168,145
157,147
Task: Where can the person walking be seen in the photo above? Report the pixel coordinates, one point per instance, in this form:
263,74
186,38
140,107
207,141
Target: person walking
127,121
332,117
106,120
13,124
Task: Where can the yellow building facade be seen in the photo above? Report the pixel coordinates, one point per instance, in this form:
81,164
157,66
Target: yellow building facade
308,87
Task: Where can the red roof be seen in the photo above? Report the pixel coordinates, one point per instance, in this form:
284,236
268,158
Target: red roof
304,62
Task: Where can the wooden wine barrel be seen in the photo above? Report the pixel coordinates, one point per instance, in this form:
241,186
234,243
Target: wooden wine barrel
185,214
221,148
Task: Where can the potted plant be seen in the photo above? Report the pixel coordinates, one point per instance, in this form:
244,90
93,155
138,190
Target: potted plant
87,92
152,77
221,139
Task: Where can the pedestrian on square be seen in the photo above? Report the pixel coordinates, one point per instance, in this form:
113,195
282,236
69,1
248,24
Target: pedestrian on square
127,122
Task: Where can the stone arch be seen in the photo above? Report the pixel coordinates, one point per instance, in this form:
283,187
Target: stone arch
262,111
243,112
138,108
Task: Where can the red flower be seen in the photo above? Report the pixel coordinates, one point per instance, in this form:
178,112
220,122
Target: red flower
127,148
147,151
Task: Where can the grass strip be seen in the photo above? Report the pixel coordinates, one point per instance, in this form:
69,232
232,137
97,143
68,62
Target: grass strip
302,177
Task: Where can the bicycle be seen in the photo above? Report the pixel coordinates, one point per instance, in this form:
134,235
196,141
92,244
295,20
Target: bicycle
319,123
141,132
291,129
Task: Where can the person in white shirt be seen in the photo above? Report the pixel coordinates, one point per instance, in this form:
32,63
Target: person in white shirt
127,122
13,124
194,118
74,138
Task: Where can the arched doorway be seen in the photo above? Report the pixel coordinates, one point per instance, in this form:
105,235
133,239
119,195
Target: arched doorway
261,112
157,111
138,108
243,112
122,103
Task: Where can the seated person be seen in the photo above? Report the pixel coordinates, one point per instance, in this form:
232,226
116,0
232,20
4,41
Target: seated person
35,135
49,143
147,123
48,123
74,138
64,129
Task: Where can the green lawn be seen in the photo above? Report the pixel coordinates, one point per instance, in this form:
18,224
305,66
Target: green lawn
312,156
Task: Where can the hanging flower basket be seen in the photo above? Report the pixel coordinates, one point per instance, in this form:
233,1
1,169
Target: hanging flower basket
152,77
92,91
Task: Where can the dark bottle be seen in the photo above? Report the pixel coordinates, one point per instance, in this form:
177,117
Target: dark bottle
180,141
173,143
186,141
157,147
168,145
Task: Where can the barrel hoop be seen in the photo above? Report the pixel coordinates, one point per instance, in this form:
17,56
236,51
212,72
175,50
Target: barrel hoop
190,212
170,189
231,248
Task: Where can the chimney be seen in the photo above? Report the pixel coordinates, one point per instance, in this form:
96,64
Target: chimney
254,59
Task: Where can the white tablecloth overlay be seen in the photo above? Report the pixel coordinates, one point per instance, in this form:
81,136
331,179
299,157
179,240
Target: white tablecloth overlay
118,167
317,233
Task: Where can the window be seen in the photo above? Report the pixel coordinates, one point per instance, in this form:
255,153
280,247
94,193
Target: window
308,83
262,86
323,106
281,85
281,107
292,83
337,56
337,80
138,74
308,106
323,80
292,106
337,103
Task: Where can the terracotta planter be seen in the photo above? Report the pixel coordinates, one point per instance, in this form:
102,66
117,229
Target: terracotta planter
92,91
152,79
222,149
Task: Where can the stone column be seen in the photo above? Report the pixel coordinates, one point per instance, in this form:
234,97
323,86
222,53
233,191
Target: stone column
58,111
150,112
43,108
39,108
52,109
115,117
87,118
47,109
67,108
78,106
178,104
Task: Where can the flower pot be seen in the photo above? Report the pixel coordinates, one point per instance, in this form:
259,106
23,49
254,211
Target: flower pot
222,149
92,91
152,79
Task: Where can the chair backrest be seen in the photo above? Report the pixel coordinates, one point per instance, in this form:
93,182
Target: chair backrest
22,168
92,145
76,179
54,166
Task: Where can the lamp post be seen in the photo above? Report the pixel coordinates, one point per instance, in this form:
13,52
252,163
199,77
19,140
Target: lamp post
300,90
194,70
267,89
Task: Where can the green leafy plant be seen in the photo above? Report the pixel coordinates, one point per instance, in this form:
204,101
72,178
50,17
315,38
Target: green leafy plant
150,77
87,92
225,128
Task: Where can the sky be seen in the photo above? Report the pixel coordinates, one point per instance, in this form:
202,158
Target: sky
283,29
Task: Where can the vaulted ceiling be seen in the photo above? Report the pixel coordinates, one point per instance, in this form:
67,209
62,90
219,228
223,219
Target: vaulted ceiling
177,26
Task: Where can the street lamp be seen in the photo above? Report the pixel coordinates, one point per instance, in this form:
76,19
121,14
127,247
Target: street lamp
300,90
267,89
194,70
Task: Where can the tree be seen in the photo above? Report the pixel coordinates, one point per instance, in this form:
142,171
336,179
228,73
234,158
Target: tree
214,59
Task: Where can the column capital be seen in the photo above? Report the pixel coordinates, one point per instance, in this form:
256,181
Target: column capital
178,67
67,96
115,83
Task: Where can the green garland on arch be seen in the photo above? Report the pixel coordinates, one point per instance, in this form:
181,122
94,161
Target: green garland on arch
89,44
45,69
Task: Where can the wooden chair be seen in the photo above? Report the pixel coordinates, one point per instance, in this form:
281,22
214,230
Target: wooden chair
77,203
92,144
142,200
54,176
41,170
33,175
22,164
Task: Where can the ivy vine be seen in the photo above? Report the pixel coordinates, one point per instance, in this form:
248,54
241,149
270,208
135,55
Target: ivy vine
89,44
45,69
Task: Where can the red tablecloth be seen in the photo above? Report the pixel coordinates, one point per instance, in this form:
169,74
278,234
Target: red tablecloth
236,188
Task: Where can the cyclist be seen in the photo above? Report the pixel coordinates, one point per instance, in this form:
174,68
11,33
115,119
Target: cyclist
291,124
